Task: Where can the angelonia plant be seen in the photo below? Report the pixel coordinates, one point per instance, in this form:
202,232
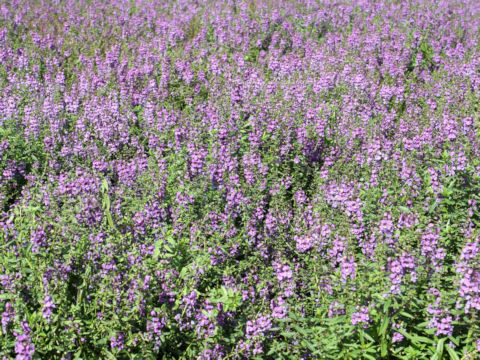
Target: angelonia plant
259,179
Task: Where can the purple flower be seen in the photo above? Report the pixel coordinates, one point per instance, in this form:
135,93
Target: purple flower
7,316
279,308
397,337
335,308
48,307
444,326
117,342
347,268
284,273
361,316
304,243
24,347
258,327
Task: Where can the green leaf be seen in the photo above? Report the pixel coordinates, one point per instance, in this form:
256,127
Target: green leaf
383,328
387,305
422,339
454,340
423,324
404,209
440,347
335,320
309,345
368,336
452,353
404,333
403,313
156,252
109,219
300,330
110,355
384,348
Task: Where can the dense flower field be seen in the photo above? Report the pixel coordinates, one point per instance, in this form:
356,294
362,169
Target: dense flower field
262,179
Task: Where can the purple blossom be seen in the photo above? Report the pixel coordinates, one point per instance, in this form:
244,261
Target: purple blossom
361,316
117,342
397,337
444,325
335,309
24,348
7,316
258,327
348,267
48,307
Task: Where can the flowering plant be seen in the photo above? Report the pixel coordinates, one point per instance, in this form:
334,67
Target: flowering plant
258,179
